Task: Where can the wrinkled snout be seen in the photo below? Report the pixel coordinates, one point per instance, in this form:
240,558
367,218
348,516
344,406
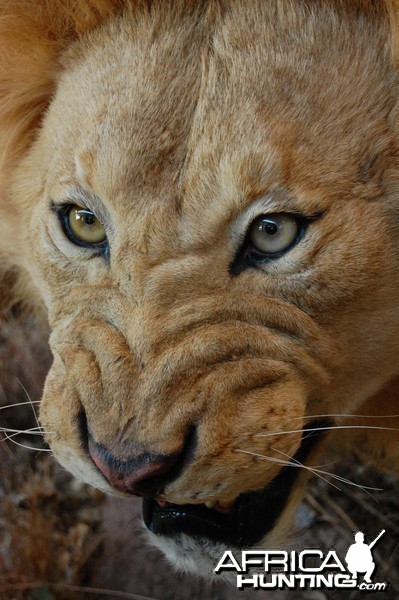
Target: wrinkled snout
193,410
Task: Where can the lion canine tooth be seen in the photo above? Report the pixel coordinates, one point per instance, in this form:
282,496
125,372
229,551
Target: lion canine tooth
220,505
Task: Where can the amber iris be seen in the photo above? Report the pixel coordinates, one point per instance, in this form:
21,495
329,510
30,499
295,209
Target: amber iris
274,233
84,226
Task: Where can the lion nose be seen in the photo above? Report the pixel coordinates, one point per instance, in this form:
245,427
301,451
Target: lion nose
143,474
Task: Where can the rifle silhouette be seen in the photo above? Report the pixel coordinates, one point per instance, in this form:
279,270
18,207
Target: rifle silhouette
373,543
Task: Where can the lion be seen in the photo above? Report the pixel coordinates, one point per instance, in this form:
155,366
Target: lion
201,197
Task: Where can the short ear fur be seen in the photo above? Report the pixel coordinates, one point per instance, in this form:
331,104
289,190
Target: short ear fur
32,35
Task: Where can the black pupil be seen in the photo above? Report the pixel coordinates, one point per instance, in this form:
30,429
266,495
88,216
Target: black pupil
269,227
88,217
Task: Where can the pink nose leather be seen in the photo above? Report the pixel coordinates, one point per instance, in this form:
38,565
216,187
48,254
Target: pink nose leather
141,474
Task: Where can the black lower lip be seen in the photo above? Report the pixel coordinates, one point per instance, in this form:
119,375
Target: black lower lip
255,513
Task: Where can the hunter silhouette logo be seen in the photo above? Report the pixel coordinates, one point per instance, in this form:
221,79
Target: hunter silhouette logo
359,558
310,568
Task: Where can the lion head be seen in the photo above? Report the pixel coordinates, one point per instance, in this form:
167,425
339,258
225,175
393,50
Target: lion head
204,196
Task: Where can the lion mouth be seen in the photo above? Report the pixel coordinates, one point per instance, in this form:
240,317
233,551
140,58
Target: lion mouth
251,517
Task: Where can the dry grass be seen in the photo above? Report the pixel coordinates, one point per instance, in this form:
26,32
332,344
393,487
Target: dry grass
48,521
333,515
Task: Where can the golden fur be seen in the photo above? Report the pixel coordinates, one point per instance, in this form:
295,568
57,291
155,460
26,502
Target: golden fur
177,119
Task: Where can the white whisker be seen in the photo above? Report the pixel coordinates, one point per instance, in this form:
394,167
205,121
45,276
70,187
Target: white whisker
269,458
292,463
313,470
346,415
30,431
273,459
30,400
7,437
358,485
331,428
335,476
19,404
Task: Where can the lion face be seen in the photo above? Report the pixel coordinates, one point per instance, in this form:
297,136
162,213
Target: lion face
209,213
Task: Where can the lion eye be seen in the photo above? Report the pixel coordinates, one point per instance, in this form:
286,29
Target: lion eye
82,226
274,233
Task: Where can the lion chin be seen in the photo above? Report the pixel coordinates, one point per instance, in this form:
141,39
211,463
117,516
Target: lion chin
194,537
201,199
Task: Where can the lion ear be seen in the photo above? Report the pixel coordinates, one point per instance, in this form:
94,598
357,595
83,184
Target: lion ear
33,33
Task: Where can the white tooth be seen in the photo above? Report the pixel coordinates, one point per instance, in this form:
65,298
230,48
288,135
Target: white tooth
210,504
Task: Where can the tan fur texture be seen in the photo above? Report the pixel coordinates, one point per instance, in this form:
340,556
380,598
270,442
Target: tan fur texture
177,123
